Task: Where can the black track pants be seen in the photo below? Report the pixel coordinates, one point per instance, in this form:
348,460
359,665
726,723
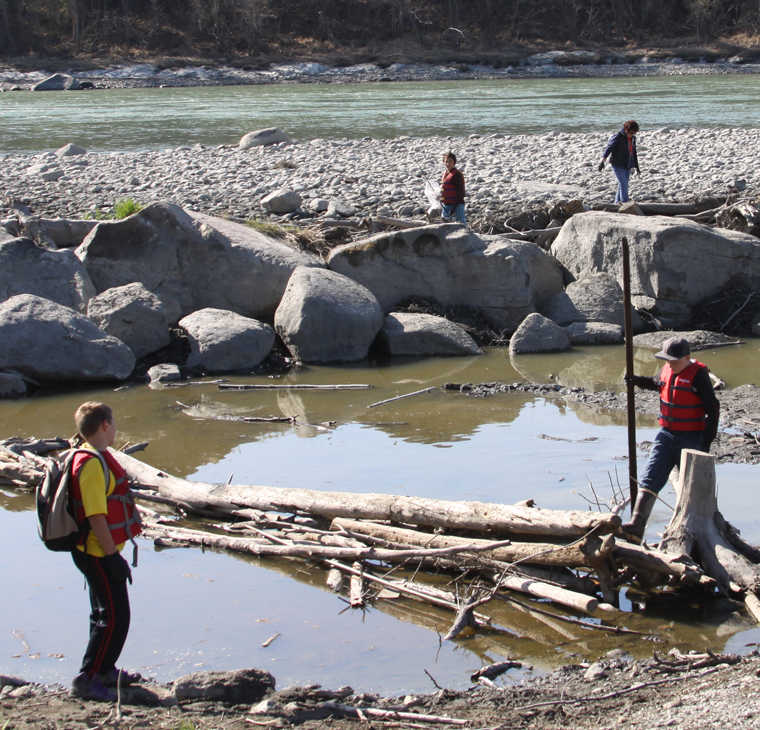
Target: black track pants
109,617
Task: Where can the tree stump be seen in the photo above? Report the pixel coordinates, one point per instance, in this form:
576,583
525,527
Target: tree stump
698,529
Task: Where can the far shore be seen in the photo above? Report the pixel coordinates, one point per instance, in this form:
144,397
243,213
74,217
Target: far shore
21,74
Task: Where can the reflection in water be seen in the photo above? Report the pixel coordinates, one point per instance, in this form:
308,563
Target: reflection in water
494,451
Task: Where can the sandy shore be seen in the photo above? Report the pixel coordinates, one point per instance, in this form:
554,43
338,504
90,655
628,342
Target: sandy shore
504,174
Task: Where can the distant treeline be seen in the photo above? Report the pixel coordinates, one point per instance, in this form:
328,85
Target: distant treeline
251,27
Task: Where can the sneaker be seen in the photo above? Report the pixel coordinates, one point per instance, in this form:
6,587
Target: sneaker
112,678
91,688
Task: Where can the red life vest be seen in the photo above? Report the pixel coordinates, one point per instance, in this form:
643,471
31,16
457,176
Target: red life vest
122,516
681,409
452,185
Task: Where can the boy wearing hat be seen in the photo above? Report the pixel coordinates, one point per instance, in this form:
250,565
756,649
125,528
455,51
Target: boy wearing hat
688,417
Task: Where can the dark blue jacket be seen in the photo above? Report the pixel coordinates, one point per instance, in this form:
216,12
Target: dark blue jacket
617,149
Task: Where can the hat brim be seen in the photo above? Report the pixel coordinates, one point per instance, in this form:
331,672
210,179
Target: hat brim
664,356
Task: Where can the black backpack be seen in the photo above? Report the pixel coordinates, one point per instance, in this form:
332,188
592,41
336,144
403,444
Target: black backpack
56,521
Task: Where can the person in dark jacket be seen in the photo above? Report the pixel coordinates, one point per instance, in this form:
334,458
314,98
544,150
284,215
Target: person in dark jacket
689,414
452,191
621,149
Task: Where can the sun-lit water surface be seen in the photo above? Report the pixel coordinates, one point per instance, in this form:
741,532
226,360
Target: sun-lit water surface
123,119
195,610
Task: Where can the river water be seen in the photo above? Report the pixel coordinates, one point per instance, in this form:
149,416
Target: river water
122,119
205,610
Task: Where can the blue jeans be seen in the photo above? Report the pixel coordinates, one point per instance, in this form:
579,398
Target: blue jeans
623,175
665,454
454,211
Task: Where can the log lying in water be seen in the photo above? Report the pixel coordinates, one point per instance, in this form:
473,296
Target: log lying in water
516,552
483,517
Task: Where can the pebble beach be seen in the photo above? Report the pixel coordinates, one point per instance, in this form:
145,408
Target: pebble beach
504,174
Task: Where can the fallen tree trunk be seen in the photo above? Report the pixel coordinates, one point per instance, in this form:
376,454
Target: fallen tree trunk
483,517
517,552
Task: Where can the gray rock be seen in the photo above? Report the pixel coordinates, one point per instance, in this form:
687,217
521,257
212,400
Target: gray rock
70,150
12,385
261,137
591,298
698,339
56,232
503,278
425,334
327,317
56,82
317,205
243,686
165,372
45,171
281,201
595,333
223,341
192,261
675,263
340,208
536,333
26,268
133,314
594,672
47,341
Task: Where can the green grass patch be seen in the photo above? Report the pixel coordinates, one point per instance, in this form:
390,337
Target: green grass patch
275,230
121,209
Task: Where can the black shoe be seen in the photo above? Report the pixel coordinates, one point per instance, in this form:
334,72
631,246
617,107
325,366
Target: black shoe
91,688
115,676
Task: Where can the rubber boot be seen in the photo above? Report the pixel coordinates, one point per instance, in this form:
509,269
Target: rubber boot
634,530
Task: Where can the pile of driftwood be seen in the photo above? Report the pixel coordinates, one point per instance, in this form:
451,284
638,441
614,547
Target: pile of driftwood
575,559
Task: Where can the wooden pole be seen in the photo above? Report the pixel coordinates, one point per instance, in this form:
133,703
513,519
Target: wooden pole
632,475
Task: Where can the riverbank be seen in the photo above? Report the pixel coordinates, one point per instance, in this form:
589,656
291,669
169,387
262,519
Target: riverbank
506,175
676,690
20,74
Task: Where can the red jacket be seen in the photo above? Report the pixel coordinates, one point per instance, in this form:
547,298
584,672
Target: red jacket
452,187
681,408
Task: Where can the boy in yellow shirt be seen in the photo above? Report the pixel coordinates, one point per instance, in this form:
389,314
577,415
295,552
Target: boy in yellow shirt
105,503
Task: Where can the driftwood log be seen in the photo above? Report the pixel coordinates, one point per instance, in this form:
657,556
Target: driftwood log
483,517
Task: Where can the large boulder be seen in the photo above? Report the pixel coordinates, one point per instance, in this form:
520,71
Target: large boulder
56,82
263,137
412,333
591,298
26,268
536,333
47,341
327,317
133,314
192,261
675,263
502,278
222,341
